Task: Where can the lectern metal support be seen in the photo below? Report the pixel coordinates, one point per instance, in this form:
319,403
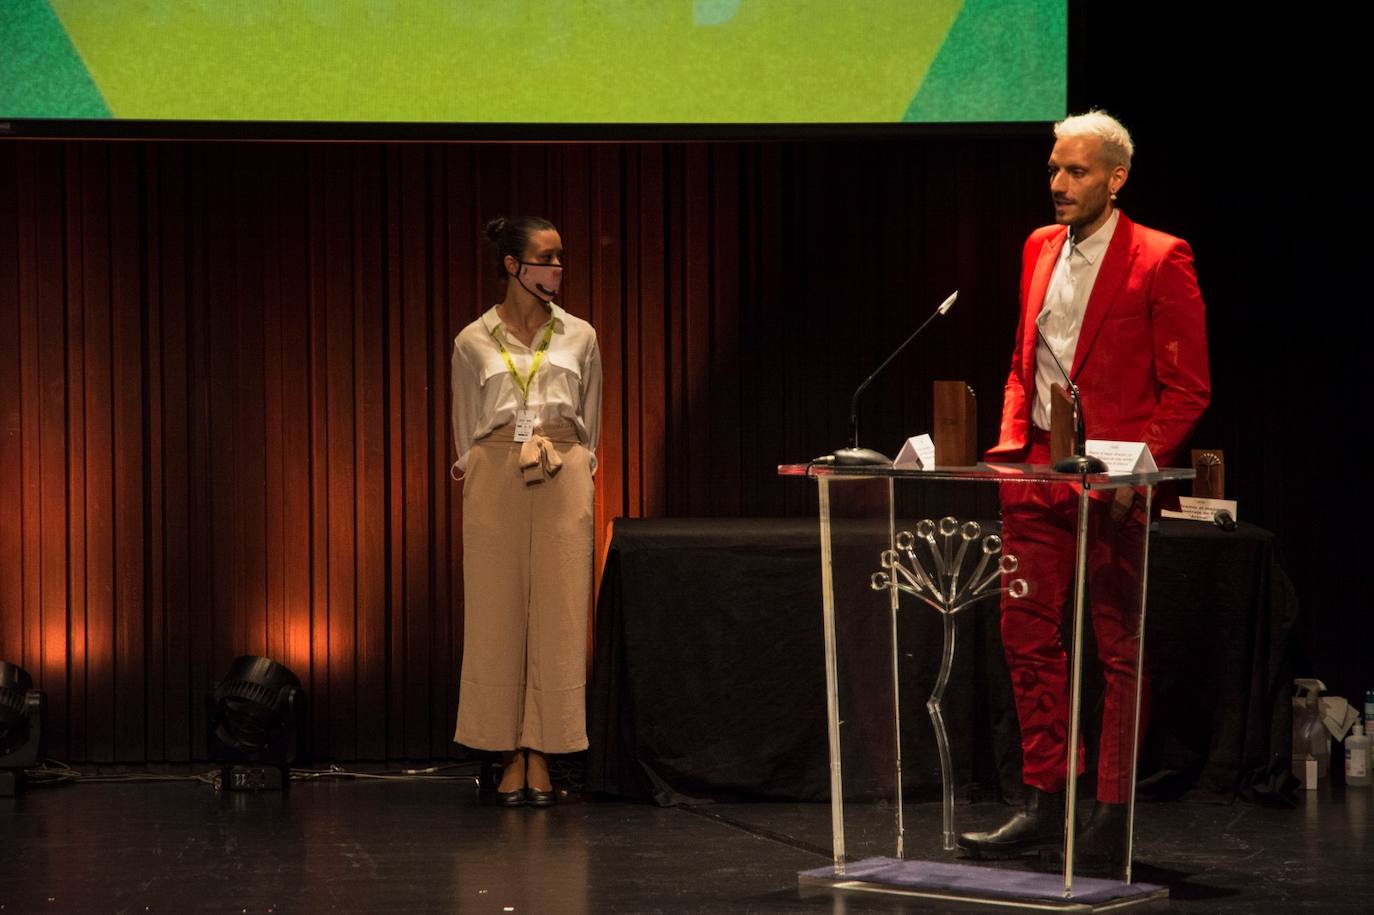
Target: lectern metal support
832,688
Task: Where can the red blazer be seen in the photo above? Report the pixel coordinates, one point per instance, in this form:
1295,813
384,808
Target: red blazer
1141,361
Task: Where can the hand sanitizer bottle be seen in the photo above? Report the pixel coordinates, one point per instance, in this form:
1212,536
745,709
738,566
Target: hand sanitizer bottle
1369,723
1357,758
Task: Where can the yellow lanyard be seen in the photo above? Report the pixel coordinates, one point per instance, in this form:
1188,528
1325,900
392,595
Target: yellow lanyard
524,383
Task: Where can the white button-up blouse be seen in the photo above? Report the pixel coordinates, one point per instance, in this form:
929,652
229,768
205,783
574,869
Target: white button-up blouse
567,385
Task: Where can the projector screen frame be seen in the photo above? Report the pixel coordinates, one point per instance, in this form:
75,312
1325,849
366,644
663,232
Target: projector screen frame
394,132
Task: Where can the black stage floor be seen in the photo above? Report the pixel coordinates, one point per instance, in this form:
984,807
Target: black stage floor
428,846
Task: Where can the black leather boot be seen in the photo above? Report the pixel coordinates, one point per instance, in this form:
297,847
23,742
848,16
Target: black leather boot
1039,825
1100,849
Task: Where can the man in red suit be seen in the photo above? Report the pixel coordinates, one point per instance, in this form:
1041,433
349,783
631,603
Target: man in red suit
1119,305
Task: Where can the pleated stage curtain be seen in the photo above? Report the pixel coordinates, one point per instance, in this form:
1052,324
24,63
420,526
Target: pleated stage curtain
224,399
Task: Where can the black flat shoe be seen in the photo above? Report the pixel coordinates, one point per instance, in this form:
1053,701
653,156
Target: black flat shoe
536,798
514,798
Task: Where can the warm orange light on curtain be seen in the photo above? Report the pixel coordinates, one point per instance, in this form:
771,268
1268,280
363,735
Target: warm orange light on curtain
234,379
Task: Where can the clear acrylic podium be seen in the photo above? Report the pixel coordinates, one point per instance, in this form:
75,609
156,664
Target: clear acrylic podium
908,557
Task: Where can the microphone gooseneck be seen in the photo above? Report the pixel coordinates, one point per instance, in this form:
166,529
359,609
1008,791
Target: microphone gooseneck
1080,462
854,455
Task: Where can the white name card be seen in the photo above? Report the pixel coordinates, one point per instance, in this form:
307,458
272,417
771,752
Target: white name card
1194,508
1122,457
917,454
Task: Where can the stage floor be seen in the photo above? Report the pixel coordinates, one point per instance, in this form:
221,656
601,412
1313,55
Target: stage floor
417,846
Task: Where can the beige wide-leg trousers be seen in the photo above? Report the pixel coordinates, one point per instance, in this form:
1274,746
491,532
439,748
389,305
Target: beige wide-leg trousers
527,580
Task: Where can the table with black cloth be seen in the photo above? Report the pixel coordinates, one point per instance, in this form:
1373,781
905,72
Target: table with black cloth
708,676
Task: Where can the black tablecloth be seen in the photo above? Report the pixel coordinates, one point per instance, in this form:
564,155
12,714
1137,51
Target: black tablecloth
708,675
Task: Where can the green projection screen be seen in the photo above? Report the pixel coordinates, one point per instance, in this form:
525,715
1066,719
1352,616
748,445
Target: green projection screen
535,61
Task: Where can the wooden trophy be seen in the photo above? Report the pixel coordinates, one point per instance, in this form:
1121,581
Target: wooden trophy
956,425
1210,482
1062,438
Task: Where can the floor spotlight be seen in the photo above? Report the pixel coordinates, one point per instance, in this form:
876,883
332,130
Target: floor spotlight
256,719
23,738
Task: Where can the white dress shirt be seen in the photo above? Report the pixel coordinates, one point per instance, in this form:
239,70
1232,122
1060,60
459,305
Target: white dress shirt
566,386
1061,318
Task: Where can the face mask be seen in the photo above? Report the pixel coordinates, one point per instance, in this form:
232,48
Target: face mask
540,280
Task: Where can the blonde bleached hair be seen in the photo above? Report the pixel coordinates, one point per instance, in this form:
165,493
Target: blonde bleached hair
1117,147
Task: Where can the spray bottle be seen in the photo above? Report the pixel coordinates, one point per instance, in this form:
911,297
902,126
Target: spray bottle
1311,741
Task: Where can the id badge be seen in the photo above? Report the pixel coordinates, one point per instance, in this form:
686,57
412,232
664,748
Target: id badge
524,425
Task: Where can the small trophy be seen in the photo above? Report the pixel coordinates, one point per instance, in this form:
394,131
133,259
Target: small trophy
1210,482
1063,434
956,425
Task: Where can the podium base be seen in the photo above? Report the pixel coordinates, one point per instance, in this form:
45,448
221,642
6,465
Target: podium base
953,882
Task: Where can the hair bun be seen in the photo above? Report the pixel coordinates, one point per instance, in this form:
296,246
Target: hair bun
510,237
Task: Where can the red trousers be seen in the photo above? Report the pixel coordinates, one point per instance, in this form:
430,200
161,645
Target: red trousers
1039,527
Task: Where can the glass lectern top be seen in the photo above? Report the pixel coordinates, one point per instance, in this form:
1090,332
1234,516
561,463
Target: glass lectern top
989,473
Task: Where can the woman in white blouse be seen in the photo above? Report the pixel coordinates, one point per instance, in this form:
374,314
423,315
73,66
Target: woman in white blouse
526,419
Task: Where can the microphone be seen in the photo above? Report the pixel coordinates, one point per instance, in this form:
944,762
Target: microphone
1080,461
1224,520
854,456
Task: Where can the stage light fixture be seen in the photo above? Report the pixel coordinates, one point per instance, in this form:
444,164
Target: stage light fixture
23,737
256,719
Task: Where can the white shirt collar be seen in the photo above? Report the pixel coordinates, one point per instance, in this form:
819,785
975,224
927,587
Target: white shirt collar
1092,247
491,320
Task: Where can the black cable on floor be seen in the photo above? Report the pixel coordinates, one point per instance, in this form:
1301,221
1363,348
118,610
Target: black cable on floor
55,772
758,832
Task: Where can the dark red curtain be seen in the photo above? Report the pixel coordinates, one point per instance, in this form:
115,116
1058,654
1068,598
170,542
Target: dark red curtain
225,405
